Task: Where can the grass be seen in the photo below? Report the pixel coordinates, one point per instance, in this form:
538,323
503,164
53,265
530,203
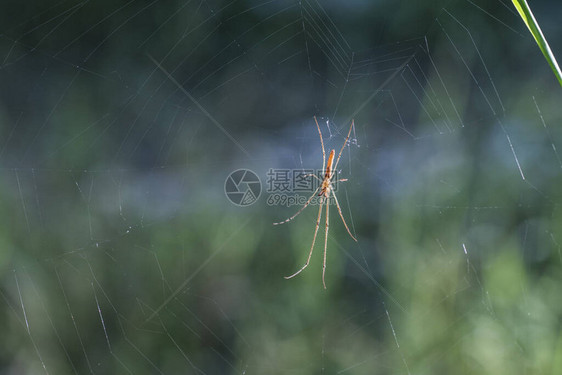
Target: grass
533,26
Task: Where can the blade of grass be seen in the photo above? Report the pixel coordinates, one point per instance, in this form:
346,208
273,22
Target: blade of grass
533,26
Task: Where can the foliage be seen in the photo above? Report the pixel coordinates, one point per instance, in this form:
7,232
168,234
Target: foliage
533,26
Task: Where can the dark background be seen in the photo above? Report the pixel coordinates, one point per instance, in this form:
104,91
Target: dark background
120,252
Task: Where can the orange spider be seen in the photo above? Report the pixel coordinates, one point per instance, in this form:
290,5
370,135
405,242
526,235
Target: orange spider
326,189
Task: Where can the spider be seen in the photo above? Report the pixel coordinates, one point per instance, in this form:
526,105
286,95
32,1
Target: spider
326,189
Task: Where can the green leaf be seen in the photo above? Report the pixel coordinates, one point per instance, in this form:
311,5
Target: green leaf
527,16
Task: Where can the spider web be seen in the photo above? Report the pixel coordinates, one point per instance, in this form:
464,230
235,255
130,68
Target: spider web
120,252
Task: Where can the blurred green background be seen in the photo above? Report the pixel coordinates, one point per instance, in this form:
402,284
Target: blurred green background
121,253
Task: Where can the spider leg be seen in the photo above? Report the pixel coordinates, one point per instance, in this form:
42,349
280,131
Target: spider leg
299,211
313,241
344,144
341,215
315,176
322,143
326,238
